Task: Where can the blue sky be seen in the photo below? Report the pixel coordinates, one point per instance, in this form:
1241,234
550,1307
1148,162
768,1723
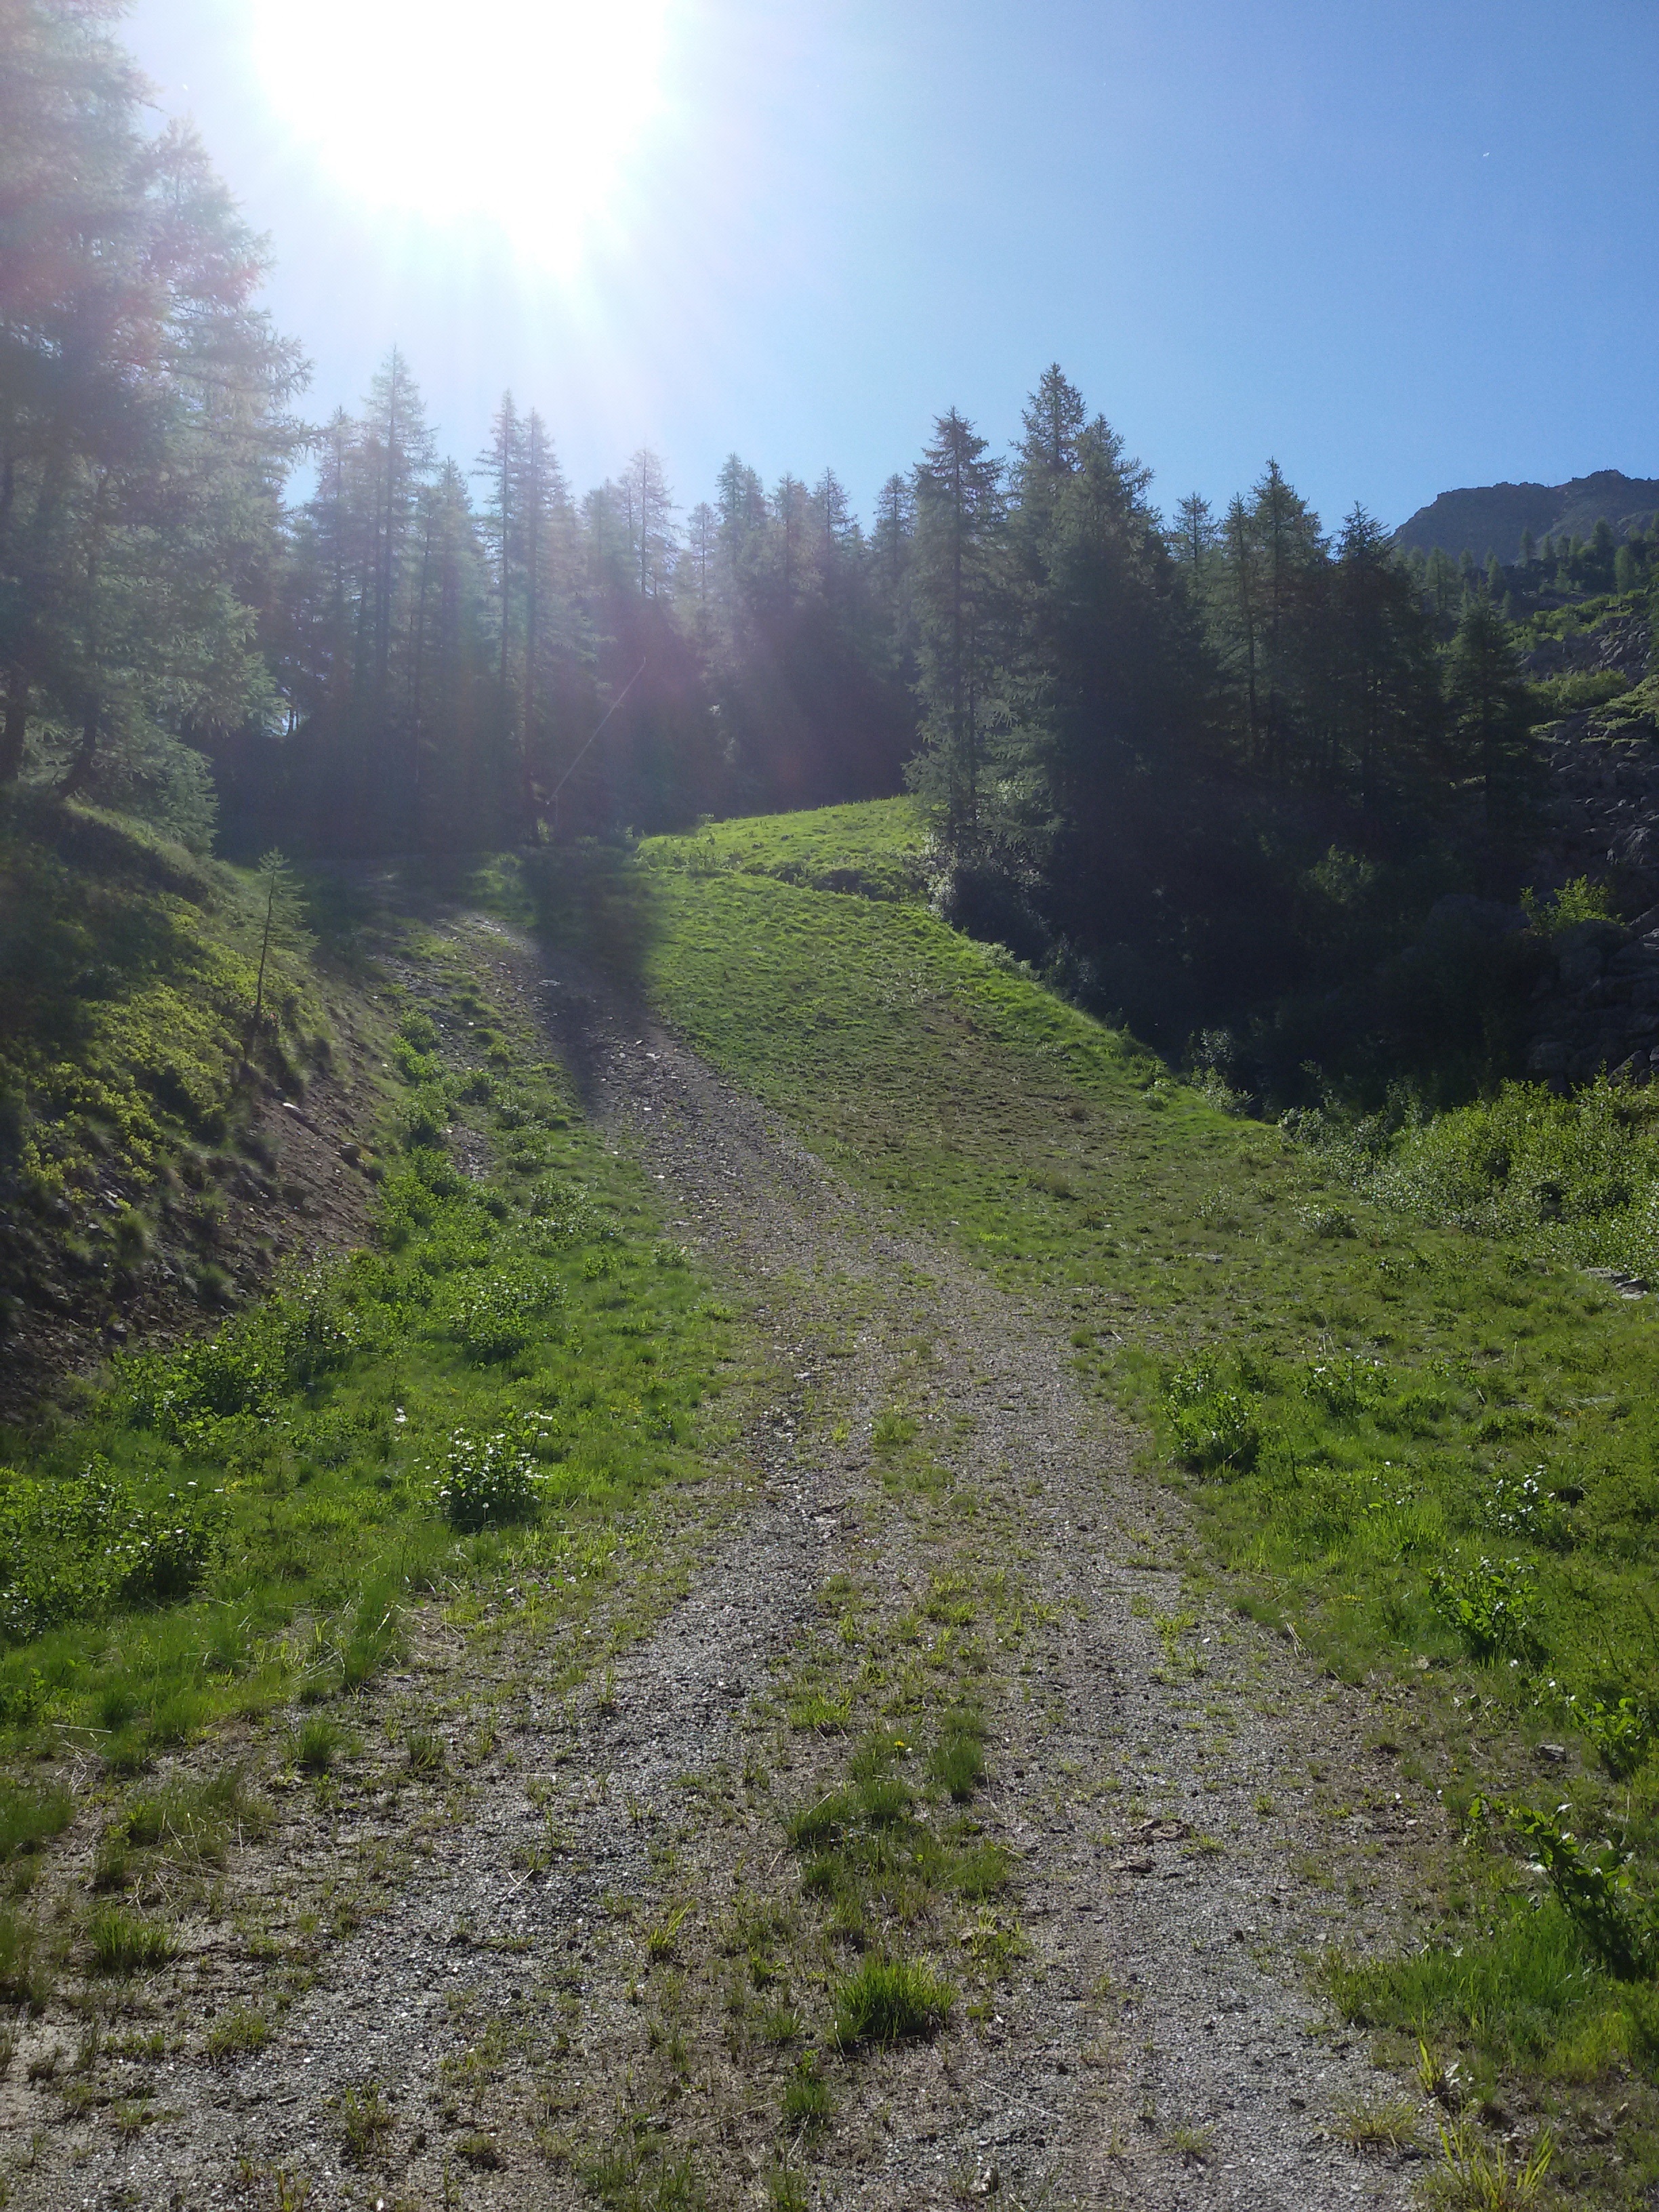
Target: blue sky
1400,246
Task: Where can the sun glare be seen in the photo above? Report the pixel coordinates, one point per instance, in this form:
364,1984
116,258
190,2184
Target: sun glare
521,111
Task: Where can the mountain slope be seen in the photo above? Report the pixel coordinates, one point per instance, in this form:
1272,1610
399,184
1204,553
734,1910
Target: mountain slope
1490,518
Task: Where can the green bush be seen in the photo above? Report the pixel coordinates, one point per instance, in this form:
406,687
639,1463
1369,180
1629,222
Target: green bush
1346,1385
488,1480
1596,1893
1490,1606
496,1317
1214,1428
70,1549
425,1117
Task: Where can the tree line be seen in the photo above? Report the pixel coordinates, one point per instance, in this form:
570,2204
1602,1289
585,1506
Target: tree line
1132,730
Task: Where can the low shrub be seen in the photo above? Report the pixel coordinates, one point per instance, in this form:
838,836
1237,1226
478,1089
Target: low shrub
1214,1428
1595,1890
488,1480
1490,1606
71,1548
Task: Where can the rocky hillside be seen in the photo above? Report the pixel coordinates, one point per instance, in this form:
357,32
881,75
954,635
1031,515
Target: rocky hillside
1490,518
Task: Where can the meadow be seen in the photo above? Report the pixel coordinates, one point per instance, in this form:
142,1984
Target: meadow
1413,1431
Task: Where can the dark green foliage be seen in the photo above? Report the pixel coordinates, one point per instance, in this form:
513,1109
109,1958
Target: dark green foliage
143,399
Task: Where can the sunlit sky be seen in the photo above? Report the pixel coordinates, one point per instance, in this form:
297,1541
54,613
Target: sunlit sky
1400,244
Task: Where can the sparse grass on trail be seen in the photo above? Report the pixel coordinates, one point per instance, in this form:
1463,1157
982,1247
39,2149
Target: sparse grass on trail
1433,1450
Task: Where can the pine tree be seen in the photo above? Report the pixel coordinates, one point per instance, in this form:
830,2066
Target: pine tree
1381,669
650,526
959,514
1194,535
501,466
143,430
1486,701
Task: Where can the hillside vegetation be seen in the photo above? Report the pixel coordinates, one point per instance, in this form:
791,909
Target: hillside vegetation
1412,1432
1411,1427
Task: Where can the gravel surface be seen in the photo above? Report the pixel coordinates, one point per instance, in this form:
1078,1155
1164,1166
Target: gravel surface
539,1966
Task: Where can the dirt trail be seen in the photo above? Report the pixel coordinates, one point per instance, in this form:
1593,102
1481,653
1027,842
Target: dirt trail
1153,2044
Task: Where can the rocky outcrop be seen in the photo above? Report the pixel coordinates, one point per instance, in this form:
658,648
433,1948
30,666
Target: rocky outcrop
1597,1010
1620,644
1490,518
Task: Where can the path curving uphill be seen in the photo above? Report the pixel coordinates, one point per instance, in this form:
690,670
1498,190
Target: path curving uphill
597,1976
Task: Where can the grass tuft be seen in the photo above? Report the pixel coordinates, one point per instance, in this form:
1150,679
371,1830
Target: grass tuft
886,2000
127,1943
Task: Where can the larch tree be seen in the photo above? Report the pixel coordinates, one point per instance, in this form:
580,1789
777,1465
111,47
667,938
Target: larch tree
958,584
143,432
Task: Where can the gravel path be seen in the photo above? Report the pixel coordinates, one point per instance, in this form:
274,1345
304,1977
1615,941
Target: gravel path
545,1963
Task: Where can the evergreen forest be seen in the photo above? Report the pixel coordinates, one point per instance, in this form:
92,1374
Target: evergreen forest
1207,770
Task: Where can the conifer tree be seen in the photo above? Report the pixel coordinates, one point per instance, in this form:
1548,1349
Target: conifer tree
1486,701
142,424
959,516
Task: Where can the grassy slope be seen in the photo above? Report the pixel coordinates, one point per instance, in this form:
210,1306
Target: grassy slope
136,1086
1386,1386
239,1525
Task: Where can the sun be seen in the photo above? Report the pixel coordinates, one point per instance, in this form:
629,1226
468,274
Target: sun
524,114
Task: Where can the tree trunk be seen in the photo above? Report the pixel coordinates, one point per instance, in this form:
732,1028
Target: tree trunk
81,767
14,727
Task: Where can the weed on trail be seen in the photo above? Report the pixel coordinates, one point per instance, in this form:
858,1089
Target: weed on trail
884,2001
1413,1432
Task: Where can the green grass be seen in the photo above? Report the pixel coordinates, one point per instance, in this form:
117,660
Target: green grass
486,1392
809,2103
957,1759
128,1943
30,1818
241,2033
1392,1401
875,850
886,2000
128,972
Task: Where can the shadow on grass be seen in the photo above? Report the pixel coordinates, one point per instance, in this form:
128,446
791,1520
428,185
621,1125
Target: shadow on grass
594,901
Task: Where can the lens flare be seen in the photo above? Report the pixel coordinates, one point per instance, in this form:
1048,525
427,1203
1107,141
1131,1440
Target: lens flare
524,114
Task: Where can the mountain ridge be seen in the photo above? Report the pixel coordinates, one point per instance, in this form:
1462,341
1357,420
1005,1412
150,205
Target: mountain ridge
1483,519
